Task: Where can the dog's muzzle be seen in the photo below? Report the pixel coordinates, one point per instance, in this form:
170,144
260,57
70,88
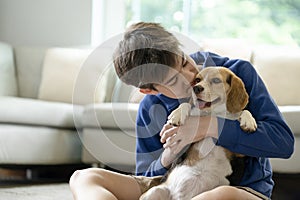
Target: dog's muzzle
198,89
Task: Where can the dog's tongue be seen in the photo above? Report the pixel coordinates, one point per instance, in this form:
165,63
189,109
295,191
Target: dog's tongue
203,104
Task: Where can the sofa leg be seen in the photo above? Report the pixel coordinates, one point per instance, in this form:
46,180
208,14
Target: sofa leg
13,174
38,173
98,165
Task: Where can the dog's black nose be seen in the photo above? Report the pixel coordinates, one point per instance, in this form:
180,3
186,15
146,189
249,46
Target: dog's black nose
197,89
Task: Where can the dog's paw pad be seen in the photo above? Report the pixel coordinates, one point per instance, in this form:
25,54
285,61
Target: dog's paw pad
174,119
179,115
247,122
248,128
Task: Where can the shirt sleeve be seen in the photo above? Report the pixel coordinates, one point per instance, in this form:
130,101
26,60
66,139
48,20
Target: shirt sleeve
273,137
150,120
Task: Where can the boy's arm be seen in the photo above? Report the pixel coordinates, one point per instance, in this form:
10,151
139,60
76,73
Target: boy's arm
150,120
148,163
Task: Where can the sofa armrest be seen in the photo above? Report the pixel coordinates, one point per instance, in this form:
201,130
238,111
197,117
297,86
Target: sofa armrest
110,115
291,115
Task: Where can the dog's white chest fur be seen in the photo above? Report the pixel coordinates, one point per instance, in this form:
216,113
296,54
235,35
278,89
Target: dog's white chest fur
209,172
186,181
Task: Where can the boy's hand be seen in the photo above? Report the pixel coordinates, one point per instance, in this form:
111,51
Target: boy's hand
167,132
194,129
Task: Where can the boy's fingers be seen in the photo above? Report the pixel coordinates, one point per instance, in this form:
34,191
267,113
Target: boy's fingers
172,140
165,127
168,134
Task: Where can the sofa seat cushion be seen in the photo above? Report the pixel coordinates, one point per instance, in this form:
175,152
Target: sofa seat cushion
16,110
290,165
119,148
22,144
292,115
110,115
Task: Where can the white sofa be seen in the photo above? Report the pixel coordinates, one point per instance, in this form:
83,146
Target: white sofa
32,131
43,94
56,111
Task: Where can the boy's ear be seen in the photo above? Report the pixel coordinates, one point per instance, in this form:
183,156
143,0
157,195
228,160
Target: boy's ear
148,91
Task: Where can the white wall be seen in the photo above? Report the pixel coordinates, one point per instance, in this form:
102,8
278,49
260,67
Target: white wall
46,22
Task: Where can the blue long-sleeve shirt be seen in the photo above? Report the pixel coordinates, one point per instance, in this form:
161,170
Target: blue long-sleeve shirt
273,138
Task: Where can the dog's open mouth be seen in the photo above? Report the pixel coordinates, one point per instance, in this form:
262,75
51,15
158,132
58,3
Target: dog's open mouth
206,104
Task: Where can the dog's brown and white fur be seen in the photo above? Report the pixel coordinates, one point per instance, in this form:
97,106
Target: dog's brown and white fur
218,92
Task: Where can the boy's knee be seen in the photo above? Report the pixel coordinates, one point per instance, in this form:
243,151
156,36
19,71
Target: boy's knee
226,190
84,176
74,177
220,193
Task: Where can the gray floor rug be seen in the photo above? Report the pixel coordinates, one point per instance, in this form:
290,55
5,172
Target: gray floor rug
59,191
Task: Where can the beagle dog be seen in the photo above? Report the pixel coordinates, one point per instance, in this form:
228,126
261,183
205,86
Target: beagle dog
217,92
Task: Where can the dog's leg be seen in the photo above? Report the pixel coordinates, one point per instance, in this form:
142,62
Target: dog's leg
160,192
247,122
178,116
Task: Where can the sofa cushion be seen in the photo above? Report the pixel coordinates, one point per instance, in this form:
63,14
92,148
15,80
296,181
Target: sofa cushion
110,75
8,82
29,61
16,110
96,80
232,48
79,76
110,115
126,93
279,68
60,69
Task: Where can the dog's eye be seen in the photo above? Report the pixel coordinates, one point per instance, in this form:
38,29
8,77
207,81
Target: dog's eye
216,80
197,80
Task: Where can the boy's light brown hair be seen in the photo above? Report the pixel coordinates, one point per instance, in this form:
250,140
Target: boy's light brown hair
144,55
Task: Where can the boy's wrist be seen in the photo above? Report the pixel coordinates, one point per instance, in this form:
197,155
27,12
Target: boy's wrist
167,158
208,127
213,128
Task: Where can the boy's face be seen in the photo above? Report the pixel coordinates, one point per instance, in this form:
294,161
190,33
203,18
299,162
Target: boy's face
179,80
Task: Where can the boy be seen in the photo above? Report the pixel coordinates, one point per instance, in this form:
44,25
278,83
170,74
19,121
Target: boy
150,58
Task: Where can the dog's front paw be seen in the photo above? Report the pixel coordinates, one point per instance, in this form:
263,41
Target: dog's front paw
178,116
247,122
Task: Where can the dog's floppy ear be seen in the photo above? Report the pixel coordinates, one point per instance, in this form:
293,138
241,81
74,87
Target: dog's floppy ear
237,96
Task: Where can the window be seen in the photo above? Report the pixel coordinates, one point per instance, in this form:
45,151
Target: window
259,21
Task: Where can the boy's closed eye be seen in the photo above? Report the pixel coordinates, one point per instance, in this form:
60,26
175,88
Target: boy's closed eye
172,81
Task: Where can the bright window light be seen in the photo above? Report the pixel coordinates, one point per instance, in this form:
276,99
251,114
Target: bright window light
263,21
